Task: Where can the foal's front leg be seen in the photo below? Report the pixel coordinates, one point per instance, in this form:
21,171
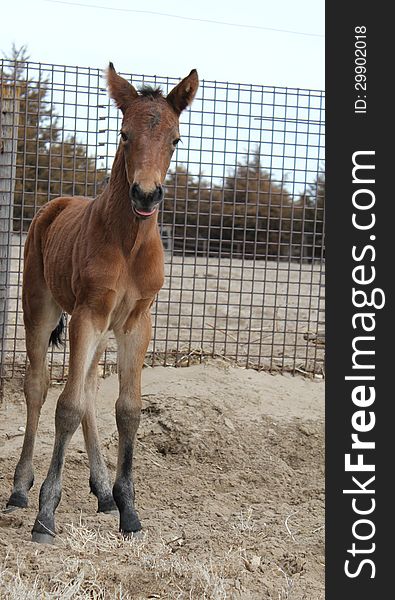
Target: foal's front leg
99,479
70,409
131,352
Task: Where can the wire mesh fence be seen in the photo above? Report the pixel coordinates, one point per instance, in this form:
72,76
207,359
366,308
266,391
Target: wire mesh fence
242,222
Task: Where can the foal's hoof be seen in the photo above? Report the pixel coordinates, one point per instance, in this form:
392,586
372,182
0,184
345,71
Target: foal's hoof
42,538
17,500
108,507
129,524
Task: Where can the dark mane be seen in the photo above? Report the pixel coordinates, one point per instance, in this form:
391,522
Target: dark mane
147,91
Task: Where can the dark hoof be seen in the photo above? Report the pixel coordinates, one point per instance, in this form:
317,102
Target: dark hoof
130,525
108,506
17,500
42,538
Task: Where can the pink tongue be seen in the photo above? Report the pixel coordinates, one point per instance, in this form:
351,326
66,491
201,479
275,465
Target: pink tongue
145,214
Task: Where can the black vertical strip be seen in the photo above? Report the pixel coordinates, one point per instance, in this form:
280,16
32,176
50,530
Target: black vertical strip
361,30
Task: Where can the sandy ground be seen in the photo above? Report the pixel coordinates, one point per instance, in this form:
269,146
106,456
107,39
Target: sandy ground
229,488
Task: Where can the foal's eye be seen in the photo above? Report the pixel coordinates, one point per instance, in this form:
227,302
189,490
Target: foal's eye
175,142
123,135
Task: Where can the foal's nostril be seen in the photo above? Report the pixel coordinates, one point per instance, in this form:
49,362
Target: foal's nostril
135,191
159,193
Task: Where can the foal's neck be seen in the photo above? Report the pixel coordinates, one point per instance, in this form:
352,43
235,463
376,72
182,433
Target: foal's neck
121,224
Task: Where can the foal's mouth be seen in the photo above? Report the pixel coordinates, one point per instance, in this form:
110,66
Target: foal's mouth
142,214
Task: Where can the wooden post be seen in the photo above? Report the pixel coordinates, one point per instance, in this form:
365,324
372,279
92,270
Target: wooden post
9,115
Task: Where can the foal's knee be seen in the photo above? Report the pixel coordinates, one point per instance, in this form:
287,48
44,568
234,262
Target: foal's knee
127,414
36,385
68,414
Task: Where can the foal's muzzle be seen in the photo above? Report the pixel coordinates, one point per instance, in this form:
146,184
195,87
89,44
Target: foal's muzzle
145,203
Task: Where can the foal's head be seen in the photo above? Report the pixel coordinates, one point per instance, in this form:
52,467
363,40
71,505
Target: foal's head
149,135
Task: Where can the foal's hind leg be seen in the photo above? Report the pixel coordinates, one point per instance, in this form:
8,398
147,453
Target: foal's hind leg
99,479
38,327
85,336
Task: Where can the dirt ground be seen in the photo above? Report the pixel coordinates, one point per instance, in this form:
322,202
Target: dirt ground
229,469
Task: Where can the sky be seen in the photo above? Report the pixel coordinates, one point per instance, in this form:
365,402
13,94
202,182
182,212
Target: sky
240,41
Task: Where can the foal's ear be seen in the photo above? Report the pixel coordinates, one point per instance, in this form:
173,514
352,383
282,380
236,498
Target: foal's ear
182,95
121,91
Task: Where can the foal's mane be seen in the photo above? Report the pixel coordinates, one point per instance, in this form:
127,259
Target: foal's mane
147,91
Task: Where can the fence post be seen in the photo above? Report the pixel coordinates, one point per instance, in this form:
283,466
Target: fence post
9,113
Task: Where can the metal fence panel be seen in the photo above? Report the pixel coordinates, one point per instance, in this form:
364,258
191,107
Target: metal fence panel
242,222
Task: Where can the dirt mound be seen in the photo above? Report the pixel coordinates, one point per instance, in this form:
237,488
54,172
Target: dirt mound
229,488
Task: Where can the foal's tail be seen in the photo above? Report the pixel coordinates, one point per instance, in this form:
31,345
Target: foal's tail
56,337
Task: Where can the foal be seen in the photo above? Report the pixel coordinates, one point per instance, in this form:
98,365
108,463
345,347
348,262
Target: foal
101,261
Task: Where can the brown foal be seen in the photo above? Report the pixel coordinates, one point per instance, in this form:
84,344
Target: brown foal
101,261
